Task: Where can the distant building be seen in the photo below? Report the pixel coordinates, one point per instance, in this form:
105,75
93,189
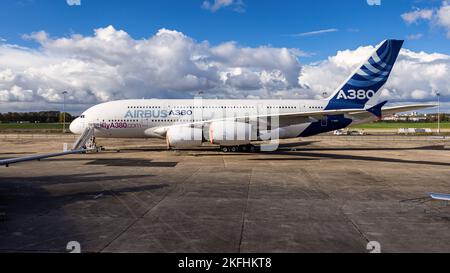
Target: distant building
413,117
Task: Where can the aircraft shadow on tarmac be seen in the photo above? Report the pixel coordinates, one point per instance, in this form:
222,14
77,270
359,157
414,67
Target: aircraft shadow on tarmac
297,151
24,196
424,148
61,179
307,143
307,153
119,162
158,149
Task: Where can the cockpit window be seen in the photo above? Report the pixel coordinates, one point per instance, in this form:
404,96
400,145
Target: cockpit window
82,116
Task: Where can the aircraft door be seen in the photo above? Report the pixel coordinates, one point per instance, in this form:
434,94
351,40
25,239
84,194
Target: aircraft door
82,121
324,121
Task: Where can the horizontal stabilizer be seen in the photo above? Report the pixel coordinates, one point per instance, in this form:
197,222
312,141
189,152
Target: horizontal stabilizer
376,110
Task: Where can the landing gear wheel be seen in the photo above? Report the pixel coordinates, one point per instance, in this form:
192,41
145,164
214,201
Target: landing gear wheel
251,148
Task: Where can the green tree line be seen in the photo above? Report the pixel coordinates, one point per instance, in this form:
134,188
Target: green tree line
33,117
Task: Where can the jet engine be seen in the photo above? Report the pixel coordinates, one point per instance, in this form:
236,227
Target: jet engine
230,133
184,137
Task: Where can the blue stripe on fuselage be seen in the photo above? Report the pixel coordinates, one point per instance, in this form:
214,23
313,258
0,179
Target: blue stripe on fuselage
333,123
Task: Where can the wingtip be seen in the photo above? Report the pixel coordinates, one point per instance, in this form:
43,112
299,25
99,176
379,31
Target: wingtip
429,105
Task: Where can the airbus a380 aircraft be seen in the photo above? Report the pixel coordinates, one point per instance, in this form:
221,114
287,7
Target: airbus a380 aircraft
235,124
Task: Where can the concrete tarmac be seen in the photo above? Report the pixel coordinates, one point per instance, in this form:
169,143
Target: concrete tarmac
322,194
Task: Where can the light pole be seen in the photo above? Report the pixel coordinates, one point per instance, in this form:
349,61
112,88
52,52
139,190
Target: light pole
439,112
64,111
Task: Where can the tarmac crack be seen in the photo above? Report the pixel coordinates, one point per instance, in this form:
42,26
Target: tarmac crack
244,213
312,182
355,226
330,197
138,218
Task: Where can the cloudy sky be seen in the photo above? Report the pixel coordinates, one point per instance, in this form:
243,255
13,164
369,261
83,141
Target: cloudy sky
106,50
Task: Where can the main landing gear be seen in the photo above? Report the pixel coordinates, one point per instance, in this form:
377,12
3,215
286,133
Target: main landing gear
241,148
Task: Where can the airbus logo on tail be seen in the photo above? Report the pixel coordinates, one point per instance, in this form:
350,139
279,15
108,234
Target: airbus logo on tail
355,94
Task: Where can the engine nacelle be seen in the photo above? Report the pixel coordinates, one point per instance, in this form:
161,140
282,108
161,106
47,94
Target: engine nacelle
184,137
230,133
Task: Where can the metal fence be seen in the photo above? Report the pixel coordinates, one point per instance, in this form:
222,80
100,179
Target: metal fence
38,136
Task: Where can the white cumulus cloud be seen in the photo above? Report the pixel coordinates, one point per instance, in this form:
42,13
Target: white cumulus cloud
417,36
73,2
16,93
416,15
437,17
215,5
443,17
414,77
111,65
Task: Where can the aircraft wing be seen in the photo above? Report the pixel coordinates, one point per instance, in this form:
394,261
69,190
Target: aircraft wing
286,119
388,111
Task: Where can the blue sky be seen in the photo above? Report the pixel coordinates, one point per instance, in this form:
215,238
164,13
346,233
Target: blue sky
102,50
259,22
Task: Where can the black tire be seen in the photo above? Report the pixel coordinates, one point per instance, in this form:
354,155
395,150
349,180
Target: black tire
234,149
224,149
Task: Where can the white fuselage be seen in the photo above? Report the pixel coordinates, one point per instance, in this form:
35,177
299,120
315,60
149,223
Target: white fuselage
133,118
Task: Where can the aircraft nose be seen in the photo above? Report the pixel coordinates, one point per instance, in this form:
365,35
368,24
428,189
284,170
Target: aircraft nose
76,127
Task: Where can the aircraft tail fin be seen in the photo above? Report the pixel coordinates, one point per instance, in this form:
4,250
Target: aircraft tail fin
364,85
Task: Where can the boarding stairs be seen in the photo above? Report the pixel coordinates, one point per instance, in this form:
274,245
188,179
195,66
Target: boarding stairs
86,140
84,144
